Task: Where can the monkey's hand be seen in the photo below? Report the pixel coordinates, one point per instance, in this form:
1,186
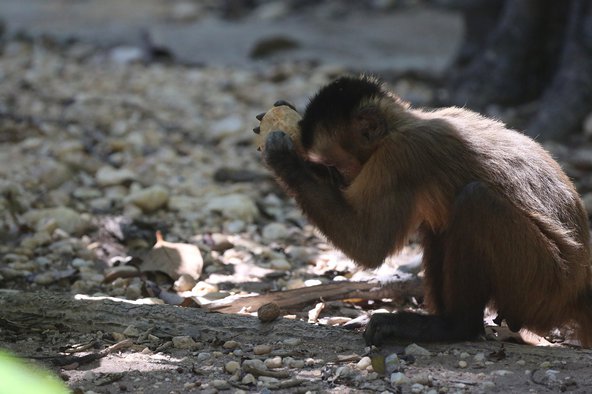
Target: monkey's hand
280,155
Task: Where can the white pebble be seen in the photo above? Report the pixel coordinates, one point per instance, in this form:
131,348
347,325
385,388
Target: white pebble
64,218
256,364
230,345
149,199
280,265
501,372
399,378
184,283
343,371
249,379
416,388
131,331
183,342
422,378
274,362
479,357
296,364
233,206
462,364
392,363
364,363
220,384
108,176
292,341
416,350
275,231
232,366
262,349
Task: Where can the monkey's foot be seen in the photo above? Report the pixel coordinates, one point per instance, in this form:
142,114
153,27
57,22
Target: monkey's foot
385,328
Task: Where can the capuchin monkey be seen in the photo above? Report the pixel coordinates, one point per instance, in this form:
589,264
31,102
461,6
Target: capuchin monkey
500,223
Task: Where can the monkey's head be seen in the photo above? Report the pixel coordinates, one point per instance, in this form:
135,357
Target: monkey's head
345,122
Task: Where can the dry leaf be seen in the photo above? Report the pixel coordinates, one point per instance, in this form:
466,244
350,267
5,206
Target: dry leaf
173,259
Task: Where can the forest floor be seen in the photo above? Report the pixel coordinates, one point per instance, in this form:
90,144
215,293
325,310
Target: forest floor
122,120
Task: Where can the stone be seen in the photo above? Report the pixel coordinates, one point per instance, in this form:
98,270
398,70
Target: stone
149,199
109,176
65,218
232,366
416,350
275,231
233,206
184,342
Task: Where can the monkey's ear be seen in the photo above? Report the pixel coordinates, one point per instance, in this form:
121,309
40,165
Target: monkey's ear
370,124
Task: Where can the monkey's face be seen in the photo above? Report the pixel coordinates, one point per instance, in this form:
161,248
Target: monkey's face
344,151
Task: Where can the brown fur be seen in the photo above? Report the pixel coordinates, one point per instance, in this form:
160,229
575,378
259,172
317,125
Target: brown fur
501,223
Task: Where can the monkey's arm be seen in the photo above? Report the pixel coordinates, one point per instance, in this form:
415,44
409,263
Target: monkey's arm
366,224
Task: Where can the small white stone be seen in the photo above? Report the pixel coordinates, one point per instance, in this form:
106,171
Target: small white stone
226,127
184,283
233,206
256,364
220,384
398,378
292,341
280,265
343,371
416,350
184,342
416,388
479,357
462,364
268,381
392,363
295,363
149,199
275,231
274,362
501,372
108,176
232,366
64,218
203,356
249,379
262,349
364,363
131,331
230,345
422,378
551,374
464,355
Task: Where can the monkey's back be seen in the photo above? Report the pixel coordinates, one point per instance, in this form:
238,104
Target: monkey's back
555,285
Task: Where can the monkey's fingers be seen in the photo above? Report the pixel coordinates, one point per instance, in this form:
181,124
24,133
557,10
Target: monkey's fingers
278,146
279,103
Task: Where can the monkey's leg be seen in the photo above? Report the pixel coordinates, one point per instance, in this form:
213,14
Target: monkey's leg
458,278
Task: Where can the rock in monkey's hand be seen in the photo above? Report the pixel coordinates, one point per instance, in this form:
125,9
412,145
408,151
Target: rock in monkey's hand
282,117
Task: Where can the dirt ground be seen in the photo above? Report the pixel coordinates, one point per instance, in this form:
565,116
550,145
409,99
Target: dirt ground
121,120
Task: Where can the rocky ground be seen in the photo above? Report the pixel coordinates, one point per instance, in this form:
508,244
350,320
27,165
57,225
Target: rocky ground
118,160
